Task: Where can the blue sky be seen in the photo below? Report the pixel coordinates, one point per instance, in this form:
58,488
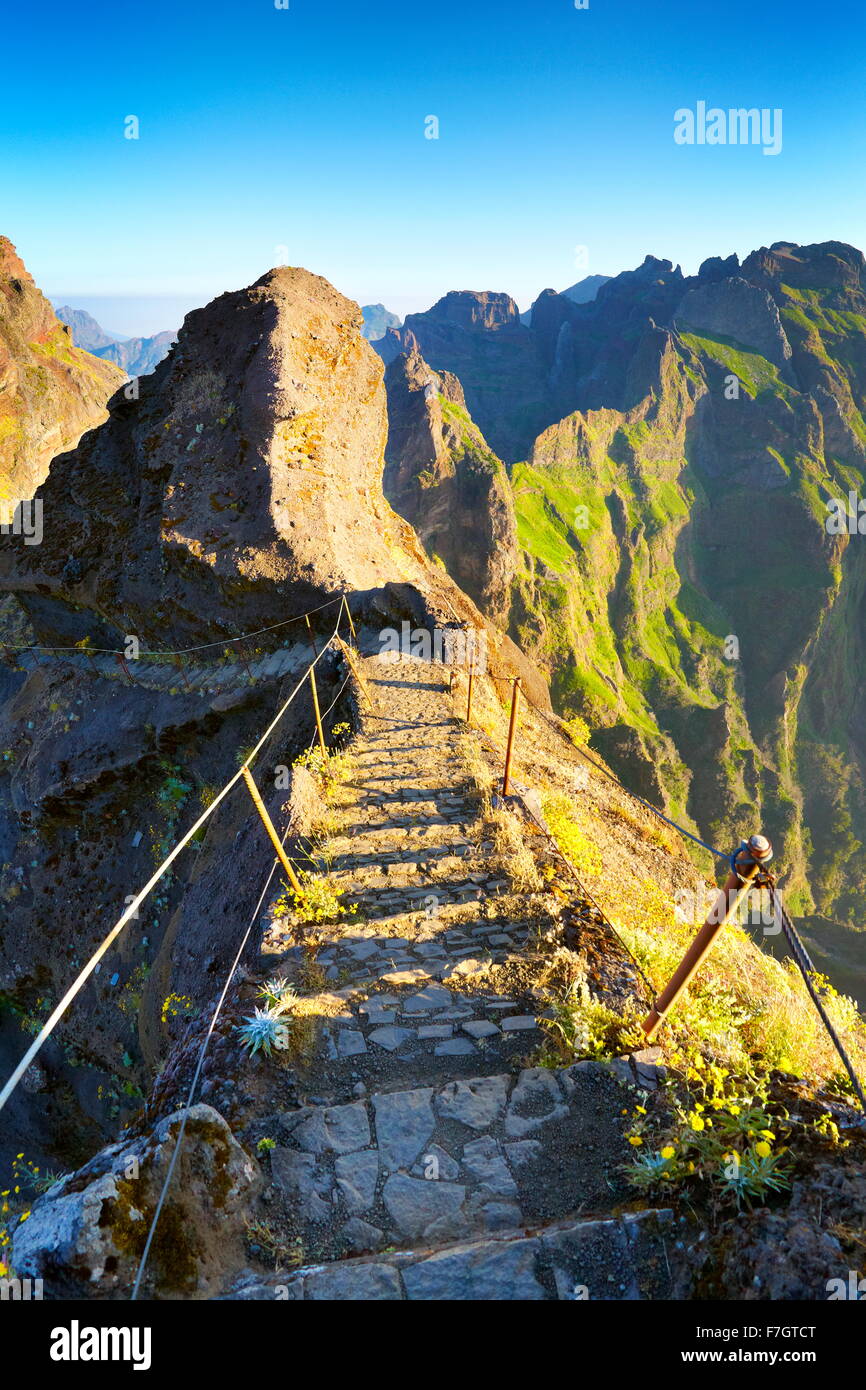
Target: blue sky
297,136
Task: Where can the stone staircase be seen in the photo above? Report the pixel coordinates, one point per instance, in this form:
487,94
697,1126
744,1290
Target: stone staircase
432,1159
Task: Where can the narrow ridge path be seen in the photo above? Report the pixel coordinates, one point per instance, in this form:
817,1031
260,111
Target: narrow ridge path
432,1159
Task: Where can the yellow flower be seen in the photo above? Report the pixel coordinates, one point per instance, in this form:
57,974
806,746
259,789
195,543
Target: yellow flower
635,1139
639,1110
766,1134
668,1151
697,1123
734,1109
763,1149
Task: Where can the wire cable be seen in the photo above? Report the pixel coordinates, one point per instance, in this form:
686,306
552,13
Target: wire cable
180,651
195,1080
132,908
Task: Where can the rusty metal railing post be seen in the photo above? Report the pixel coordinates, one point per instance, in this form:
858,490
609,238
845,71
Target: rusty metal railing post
749,860
179,664
512,724
469,694
121,661
314,690
272,832
349,616
322,743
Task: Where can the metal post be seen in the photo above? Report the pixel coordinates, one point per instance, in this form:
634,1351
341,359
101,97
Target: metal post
312,635
515,695
469,694
322,744
349,616
121,661
750,859
271,829
179,664
243,658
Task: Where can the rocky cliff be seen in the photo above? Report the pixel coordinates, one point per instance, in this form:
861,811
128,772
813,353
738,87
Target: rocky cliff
186,509
443,478
50,390
698,427
239,490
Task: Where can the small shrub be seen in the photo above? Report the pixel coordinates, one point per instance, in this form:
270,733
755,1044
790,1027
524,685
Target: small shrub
577,730
319,901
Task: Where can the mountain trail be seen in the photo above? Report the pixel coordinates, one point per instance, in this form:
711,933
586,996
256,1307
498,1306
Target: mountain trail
433,1158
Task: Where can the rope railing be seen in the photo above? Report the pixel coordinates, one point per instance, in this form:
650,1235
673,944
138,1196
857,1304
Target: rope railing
807,970
178,651
175,1157
145,1254
131,910
699,948
798,950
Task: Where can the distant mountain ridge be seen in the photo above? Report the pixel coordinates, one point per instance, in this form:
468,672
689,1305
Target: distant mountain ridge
136,356
86,332
672,446
377,321
586,289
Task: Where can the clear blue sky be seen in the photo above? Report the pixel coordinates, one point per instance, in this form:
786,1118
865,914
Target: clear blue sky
298,135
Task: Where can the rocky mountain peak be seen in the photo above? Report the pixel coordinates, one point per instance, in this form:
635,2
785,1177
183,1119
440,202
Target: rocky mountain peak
473,309
50,390
11,264
242,486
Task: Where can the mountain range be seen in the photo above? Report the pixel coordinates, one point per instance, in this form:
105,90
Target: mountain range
669,451
624,502
614,483
136,356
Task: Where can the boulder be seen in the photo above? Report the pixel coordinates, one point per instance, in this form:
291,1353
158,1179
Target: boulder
85,1237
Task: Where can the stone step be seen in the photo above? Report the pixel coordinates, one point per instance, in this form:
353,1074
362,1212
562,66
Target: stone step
627,1258
454,1160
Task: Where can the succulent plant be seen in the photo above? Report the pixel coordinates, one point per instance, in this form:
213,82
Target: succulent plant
278,994
263,1032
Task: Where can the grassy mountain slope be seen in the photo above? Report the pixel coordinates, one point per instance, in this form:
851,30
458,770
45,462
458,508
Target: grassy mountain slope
678,581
